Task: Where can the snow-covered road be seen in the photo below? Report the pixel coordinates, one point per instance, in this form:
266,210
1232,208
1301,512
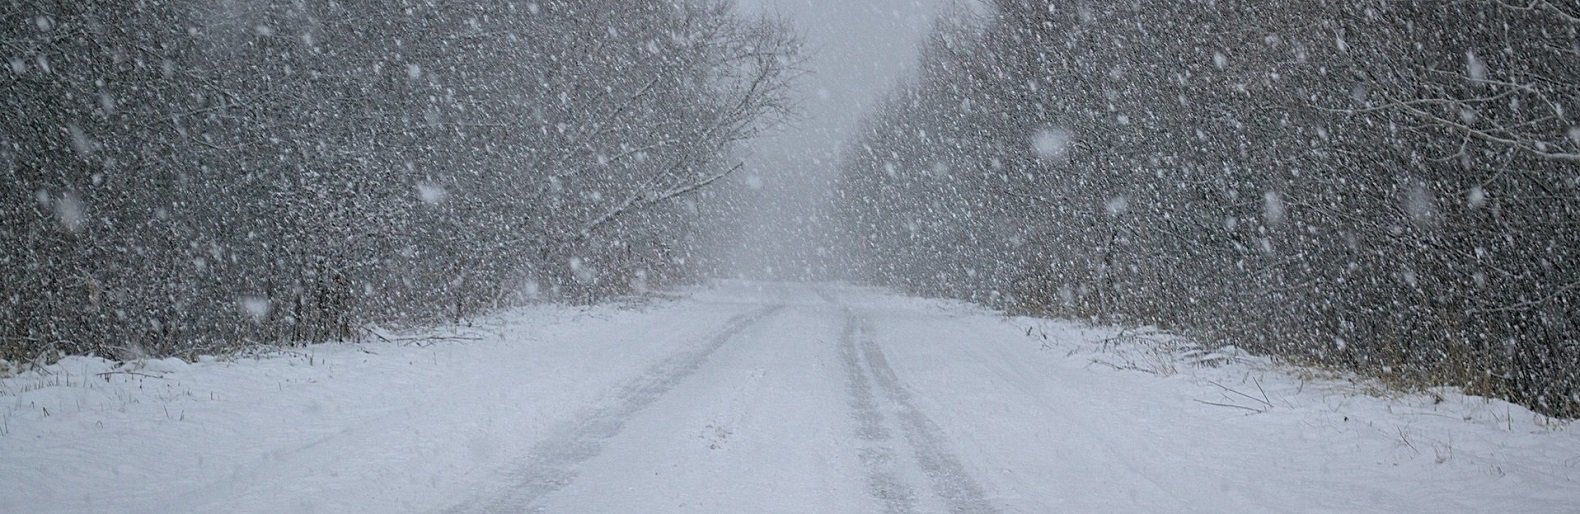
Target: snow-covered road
752,397
788,407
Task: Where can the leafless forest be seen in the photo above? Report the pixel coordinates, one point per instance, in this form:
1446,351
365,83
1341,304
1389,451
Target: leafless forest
185,176
1376,185
1381,185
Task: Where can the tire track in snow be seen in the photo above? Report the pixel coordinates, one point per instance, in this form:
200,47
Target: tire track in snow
551,464
876,454
960,492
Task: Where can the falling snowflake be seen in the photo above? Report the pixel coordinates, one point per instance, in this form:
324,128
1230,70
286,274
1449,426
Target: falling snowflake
585,273
1052,143
1117,205
1475,67
431,193
255,307
1477,198
70,212
1273,209
1418,202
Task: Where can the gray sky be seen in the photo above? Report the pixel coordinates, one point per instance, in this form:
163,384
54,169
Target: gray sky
858,50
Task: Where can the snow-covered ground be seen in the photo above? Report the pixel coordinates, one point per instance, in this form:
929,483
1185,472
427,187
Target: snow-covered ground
750,397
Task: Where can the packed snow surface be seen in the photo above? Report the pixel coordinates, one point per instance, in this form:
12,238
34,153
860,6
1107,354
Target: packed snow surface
761,397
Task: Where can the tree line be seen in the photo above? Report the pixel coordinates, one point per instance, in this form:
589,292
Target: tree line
186,176
1386,186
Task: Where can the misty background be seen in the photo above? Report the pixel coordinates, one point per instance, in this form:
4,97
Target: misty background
856,52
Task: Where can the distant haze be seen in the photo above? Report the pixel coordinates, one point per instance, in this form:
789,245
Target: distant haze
856,51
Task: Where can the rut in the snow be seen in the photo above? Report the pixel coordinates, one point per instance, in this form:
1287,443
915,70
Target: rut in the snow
551,465
877,455
949,480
